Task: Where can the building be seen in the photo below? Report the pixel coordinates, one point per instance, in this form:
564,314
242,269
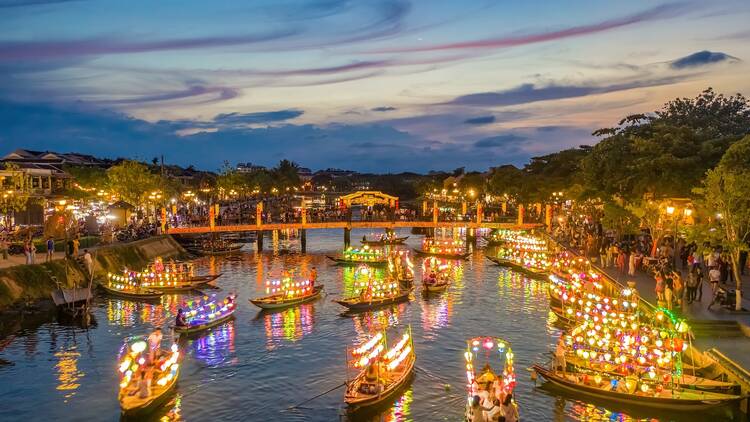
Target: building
249,167
304,174
334,173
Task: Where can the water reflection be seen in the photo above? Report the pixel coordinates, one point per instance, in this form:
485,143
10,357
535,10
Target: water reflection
290,324
127,313
366,323
216,346
68,374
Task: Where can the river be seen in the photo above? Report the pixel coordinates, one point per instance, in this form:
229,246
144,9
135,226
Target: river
257,366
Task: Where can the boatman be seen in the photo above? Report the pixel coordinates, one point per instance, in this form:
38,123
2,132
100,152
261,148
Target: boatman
313,276
154,343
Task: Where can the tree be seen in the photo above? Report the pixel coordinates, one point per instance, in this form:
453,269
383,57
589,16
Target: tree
286,174
15,192
89,180
132,181
726,192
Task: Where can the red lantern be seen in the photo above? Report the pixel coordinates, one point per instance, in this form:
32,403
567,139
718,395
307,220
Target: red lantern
678,343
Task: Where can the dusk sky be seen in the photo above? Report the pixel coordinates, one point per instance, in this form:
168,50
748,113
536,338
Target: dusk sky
377,85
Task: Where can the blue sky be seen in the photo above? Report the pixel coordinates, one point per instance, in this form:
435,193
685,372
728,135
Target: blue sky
378,85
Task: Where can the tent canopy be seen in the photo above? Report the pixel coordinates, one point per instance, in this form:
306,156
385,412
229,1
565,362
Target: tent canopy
368,198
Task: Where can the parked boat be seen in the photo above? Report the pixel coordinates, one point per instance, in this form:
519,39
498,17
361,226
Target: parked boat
448,249
203,313
381,373
436,275
529,271
131,293
166,282
364,255
280,300
384,240
137,399
358,303
635,393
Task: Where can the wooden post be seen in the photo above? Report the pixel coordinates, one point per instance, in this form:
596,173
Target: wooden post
304,216
480,213
347,237
520,214
259,214
434,212
259,240
211,217
303,240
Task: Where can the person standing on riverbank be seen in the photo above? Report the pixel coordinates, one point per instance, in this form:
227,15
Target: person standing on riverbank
50,248
4,247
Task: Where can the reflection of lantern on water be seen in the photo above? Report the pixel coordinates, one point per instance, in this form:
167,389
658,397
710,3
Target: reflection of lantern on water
214,347
127,314
371,321
68,374
401,409
291,324
436,314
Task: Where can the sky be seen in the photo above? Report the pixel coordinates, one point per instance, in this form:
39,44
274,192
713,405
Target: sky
374,86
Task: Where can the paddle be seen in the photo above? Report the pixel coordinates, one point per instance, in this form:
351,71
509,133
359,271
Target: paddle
313,398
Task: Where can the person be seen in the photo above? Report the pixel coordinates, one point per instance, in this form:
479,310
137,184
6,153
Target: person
668,292
714,275
476,410
50,248
32,251
678,286
76,244
313,276
631,265
88,261
692,283
510,411
154,343
496,413
180,320
4,247
27,252
69,248
144,385
659,288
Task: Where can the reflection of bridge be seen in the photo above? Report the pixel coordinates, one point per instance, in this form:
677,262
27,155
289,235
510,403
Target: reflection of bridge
347,226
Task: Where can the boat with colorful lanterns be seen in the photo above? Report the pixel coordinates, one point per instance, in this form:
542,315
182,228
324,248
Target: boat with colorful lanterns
443,248
203,313
181,270
436,275
163,282
147,377
500,236
374,293
401,268
526,254
363,255
287,292
125,287
631,391
381,371
489,385
384,239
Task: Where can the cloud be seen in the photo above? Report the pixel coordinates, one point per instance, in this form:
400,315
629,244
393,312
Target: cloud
482,120
38,50
655,13
4,4
701,58
506,140
217,94
260,117
383,108
529,93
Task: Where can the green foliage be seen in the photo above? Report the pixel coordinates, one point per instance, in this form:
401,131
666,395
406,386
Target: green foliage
15,192
132,181
285,174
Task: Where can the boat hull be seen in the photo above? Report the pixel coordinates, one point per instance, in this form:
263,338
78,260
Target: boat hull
188,330
361,306
346,262
396,241
150,296
140,408
443,255
435,288
360,404
538,274
638,400
263,303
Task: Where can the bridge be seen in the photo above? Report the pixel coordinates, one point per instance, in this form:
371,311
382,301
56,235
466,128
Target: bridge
347,226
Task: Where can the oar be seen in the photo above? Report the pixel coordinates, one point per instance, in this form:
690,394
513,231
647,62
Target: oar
313,398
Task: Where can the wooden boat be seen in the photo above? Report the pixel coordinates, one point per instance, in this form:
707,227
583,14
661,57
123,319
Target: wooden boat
204,279
442,255
531,272
192,329
178,288
357,304
382,242
135,294
206,314
481,355
685,381
434,288
375,263
165,380
683,400
216,251
402,355
279,301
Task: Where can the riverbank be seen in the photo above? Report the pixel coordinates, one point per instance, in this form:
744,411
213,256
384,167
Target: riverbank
22,285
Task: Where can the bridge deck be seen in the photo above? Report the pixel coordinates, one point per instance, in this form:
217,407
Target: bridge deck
349,225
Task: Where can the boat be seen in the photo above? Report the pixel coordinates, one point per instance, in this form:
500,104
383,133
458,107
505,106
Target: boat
165,373
166,282
215,250
448,249
442,275
359,304
202,314
204,279
384,240
132,293
666,398
365,255
279,301
382,373
529,271
482,353
443,255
